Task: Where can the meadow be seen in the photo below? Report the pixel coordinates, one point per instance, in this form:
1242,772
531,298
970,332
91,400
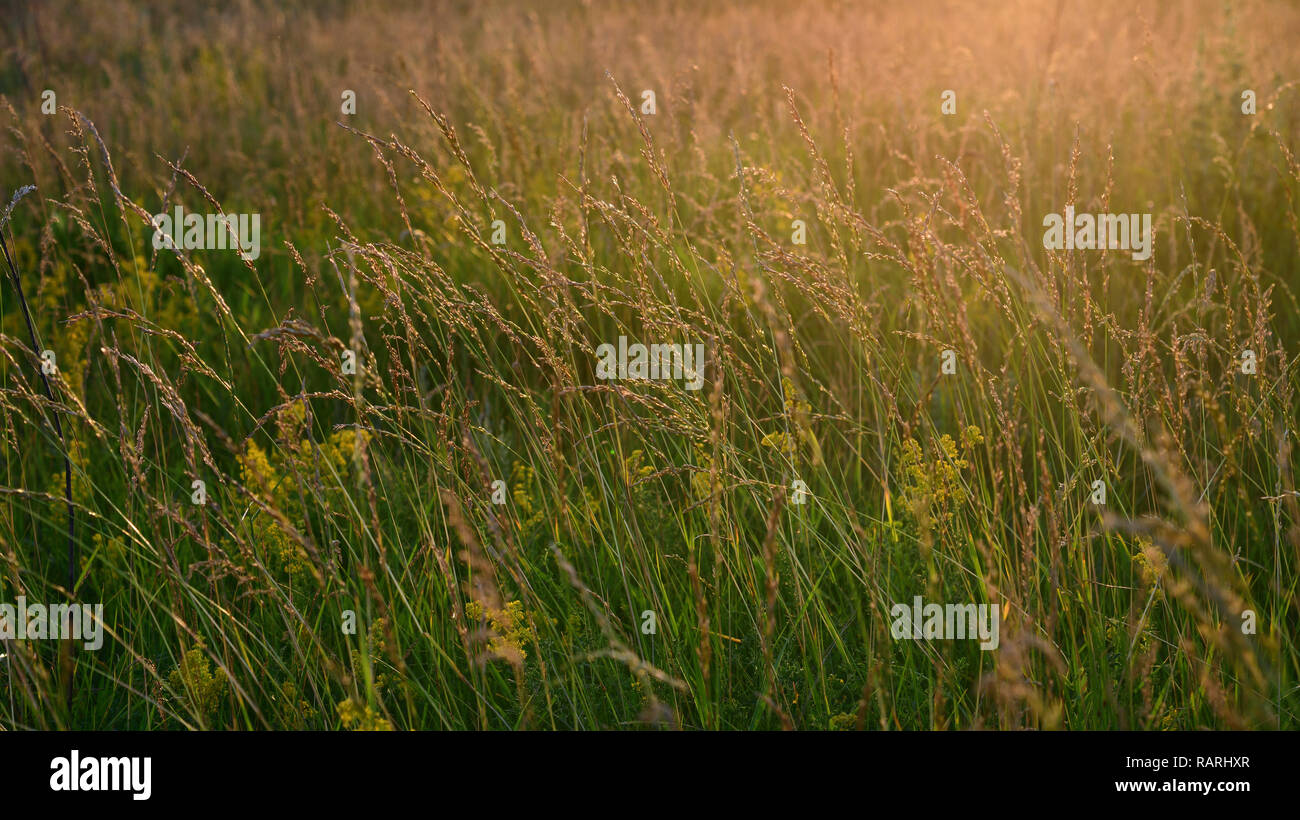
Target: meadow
371,478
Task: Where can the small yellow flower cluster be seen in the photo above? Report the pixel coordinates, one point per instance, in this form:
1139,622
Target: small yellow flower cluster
510,629
702,482
843,722
971,436
795,405
530,512
255,469
799,413
783,442
357,717
294,712
341,448
938,486
1152,564
377,641
258,473
633,470
273,476
1124,644
193,676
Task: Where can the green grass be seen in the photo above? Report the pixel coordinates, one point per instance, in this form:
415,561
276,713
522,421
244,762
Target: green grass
371,493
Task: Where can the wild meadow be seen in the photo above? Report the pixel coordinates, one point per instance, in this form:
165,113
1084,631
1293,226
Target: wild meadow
369,477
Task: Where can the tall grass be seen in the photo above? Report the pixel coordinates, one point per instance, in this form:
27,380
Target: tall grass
371,492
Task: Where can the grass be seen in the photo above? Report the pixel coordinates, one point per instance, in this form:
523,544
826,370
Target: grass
348,567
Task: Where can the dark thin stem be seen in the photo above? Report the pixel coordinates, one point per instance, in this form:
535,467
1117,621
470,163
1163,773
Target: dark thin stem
58,428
